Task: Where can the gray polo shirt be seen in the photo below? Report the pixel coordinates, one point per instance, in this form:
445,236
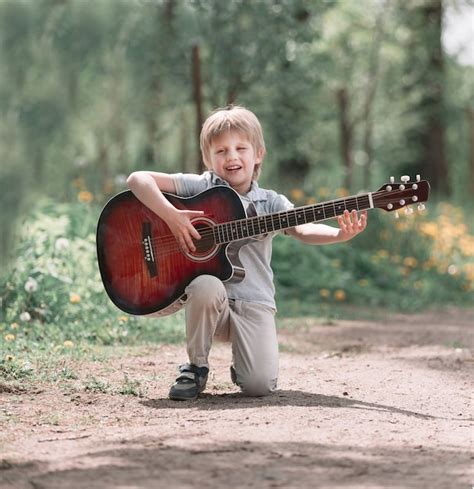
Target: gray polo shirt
255,256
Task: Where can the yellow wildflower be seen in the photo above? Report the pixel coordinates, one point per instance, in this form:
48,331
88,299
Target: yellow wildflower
74,298
310,201
468,269
410,261
324,293
429,264
342,192
297,194
108,186
429,229
9,358
340,295
123,319
14,325
323,191
405,271
78,183
466,245
85,196
9,337
402,226
68,344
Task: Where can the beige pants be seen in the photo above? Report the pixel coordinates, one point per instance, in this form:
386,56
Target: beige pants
249,327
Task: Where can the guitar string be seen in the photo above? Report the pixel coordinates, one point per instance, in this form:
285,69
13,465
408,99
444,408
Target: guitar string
169,244
268,219
265,220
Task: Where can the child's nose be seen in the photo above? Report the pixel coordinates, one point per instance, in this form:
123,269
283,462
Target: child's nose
232,154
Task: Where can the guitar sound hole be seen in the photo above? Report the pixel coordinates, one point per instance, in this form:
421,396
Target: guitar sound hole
206,247
207,242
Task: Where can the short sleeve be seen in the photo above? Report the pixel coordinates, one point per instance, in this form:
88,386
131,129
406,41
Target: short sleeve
189,184
280,203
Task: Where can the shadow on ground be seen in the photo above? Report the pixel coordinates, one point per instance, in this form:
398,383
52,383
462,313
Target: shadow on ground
279,398
152,463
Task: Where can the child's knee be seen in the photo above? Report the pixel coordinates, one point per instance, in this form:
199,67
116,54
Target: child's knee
257,385
206,289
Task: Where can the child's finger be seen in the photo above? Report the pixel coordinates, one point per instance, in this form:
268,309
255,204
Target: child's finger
342,223
194,233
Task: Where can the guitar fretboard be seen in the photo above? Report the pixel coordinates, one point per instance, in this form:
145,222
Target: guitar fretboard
258,225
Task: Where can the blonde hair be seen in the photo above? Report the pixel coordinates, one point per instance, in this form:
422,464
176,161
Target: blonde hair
232,118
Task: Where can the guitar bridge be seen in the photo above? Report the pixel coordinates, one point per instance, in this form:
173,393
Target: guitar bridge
148,250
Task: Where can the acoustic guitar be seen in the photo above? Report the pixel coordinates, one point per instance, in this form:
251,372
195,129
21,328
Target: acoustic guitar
144,270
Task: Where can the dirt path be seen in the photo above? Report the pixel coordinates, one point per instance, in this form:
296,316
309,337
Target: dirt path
360,405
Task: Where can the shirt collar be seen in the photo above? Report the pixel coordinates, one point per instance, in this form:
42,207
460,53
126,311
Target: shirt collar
255,192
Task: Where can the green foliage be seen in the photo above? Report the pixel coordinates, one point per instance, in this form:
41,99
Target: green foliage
53,298
92,384
131,388
417,262
98,89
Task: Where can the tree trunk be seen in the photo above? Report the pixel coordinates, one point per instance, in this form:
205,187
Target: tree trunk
470,128
435,158
184,146
197,96
370,99
345,129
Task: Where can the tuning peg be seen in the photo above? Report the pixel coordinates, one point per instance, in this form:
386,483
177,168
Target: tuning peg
405,178
408,210
397,215
421,207
418,178
392,179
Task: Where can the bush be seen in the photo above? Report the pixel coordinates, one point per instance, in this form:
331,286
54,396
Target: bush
53,296
410,264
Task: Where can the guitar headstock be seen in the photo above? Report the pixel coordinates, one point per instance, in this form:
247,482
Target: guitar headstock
393,196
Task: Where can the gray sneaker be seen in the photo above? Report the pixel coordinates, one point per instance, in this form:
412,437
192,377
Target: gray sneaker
190,382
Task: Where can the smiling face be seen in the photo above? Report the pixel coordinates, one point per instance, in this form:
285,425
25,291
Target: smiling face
233,158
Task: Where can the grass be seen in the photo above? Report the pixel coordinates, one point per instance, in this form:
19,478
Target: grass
132,388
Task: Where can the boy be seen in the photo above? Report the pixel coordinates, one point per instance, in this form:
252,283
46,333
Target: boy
233,149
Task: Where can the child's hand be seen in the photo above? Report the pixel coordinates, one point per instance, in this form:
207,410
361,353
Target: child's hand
182,228
350,225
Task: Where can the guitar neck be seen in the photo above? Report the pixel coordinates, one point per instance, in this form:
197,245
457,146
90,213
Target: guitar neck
255,226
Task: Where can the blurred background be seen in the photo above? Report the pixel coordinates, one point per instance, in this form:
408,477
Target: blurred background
348,93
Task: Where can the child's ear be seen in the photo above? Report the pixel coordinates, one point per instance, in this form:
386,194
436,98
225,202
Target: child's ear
260,155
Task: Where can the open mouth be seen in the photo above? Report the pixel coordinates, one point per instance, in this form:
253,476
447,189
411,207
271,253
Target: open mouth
233,168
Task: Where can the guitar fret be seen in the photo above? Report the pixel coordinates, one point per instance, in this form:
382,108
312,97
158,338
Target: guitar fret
245,230
263,224
327,211
241,234
340,207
